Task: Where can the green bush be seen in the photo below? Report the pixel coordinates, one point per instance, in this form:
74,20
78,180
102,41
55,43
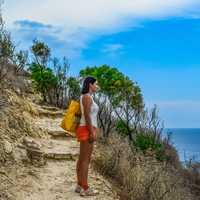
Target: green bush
148,143
121,128
74,88
44,79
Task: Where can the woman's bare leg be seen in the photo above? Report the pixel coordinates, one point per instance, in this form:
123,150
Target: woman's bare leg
83,162
90,149
78,171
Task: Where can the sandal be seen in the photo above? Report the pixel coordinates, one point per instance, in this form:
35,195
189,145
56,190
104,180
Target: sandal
78,189
88,192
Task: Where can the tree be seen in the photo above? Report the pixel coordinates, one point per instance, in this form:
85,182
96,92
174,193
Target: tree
49,74
43,77
60,71
41,53
128,105
44,80
118,95
6,50
74,89
107,78
9,58
20,60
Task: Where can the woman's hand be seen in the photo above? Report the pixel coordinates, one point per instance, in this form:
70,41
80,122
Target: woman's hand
92,137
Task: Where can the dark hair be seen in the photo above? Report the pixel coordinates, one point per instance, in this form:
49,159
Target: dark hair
86,84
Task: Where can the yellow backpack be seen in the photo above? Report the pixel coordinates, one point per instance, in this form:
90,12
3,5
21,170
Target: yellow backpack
72,118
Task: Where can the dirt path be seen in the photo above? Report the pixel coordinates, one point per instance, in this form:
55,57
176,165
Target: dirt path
56,179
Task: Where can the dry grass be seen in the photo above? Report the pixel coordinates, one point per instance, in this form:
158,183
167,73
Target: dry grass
191,173
142,177
16,116
15,121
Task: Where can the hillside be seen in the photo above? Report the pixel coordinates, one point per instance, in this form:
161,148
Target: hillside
37,157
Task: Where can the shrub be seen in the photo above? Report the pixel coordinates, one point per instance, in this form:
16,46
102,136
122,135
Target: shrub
43,78
121,128
147,143
142,177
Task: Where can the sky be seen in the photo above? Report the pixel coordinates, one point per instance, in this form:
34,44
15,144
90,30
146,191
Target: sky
155,42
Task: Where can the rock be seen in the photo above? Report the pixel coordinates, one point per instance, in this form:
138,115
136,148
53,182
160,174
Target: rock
18,91
31,143
34,151
58,133
21,146
8,147
20,154
3,103
61,156
27,140
37,157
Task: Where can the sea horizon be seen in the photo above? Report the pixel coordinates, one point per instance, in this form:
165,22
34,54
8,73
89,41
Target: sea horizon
186,141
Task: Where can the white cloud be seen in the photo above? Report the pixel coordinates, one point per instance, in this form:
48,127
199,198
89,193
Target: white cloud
81,20
25,31
112,49
92,13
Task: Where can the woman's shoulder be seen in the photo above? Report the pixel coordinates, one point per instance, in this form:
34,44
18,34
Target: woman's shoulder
87,97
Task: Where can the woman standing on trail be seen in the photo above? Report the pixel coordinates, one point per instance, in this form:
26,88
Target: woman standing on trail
86,134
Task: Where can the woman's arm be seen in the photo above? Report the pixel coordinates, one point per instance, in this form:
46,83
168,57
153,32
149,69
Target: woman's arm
87,102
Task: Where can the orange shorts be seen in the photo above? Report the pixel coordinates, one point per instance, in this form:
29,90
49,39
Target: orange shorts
82,133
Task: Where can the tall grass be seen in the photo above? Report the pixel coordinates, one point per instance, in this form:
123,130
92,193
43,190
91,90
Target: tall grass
141,176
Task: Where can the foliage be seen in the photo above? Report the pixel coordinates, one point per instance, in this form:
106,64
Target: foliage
6,50
143,177
109,79
49,75
74,88
9,58
121,128
41,52
119,92
61,89
43,78
20,60
146,142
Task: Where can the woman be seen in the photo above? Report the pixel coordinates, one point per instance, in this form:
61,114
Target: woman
86,134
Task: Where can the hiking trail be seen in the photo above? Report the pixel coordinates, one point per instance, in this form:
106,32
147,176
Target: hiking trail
52,174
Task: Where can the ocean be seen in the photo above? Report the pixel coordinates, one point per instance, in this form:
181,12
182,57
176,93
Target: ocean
186,141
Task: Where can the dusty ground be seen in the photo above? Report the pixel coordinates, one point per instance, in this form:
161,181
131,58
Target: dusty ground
56,178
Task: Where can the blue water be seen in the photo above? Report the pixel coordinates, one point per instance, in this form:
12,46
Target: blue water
186,141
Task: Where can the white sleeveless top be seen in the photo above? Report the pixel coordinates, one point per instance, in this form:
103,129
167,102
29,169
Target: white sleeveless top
93,113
